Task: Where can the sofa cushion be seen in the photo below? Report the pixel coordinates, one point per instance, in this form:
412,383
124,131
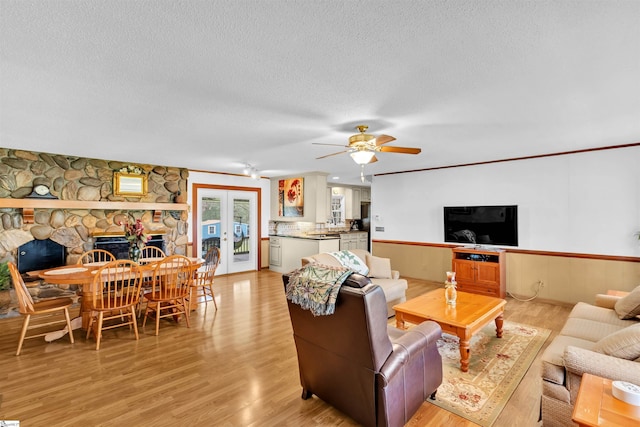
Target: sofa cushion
583,310
628,306
587,329
624,344
552,358
393,288
379,267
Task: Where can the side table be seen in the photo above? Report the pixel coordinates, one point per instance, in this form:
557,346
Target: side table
596,406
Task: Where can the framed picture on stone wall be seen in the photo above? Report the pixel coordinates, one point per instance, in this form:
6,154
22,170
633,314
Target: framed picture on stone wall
129,185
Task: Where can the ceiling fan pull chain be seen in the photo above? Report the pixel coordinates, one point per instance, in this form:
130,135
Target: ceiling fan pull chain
362,173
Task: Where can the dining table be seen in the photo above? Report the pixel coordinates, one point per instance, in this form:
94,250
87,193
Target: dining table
83,275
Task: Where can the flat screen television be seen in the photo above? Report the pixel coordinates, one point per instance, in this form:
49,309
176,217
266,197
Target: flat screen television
481,225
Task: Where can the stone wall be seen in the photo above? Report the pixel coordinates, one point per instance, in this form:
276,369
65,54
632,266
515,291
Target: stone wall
77,178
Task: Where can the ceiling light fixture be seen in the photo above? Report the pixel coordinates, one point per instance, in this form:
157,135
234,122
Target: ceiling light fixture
362,157
251,171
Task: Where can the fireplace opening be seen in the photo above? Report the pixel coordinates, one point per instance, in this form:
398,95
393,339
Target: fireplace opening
119,245
40,255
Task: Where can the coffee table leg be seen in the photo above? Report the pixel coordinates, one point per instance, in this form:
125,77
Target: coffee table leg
399,321
499,321
465,350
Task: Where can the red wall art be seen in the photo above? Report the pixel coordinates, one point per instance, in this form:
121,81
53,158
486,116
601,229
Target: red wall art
291,197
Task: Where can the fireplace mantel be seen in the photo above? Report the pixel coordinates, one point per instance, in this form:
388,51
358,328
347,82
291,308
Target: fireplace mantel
28,206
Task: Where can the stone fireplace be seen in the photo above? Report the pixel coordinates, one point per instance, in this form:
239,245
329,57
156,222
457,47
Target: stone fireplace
78,183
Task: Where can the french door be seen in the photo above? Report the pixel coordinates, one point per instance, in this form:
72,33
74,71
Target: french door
228,220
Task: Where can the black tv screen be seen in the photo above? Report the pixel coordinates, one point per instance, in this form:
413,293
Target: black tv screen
481,225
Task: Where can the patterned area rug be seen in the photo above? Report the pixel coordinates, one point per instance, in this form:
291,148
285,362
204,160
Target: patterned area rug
496,367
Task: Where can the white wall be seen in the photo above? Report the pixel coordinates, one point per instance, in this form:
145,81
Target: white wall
583,203
234,181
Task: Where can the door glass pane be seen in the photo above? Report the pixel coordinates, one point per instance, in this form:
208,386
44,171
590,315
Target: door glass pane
241,232
210,223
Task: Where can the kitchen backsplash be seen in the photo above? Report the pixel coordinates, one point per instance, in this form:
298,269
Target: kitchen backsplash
294,228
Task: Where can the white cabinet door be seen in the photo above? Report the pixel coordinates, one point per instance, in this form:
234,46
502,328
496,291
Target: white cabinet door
363,241
355,203
365,195
275,252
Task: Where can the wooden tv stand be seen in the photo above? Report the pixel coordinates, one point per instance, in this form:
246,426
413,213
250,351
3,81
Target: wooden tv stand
480,271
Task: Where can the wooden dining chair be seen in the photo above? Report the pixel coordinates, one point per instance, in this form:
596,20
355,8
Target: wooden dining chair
148,253
96,255
29,308
115,292
169,294
151,252
202,286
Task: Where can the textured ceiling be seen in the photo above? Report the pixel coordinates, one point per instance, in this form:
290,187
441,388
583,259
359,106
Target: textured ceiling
212,85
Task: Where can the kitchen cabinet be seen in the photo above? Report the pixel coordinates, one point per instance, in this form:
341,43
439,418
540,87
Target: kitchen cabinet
275,252
352,199
354,240
363,241
314,190
355,204
337,210
293,249
480,271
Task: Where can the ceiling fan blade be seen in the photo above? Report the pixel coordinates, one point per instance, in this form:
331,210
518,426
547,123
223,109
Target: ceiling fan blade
335,145
403,150
332,154
373,159
383,139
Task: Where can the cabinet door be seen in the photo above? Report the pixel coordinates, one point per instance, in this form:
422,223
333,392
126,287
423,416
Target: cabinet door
487,273
337,210
355,204
464,270
275,254
363,241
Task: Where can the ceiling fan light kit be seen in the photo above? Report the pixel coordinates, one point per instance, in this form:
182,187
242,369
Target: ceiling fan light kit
362,147
362,157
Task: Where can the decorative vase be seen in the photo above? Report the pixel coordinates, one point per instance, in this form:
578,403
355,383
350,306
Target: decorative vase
450,293
134,253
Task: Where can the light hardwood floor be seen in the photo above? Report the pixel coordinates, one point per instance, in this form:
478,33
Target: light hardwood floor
233,367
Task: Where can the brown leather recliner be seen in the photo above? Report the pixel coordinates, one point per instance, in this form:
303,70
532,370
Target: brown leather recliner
378,375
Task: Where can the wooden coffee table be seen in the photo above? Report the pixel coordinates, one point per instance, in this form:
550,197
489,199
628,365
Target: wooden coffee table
471,313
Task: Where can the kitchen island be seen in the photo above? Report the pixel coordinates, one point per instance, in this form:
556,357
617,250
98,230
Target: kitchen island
286,251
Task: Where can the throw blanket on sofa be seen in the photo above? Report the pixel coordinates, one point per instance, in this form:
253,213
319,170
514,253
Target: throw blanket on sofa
350,260
315,287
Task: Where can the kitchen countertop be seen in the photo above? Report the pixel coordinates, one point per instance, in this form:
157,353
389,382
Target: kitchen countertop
328,236
319,236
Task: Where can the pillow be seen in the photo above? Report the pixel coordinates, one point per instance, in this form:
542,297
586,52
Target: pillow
379,267
628,306
623,344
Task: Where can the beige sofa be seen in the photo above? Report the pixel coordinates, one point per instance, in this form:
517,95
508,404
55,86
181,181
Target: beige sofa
380,273
601,339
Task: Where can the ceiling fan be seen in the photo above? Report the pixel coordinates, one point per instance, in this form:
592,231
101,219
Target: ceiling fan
362,147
